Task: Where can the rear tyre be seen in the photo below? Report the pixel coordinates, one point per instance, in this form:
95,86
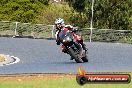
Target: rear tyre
85,58
73,55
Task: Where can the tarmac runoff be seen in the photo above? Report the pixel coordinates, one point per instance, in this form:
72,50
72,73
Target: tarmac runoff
44,56
8,60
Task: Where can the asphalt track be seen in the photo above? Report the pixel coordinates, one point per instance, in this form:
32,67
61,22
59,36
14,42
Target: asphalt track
44,56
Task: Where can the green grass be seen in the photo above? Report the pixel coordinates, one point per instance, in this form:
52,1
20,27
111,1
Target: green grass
58,83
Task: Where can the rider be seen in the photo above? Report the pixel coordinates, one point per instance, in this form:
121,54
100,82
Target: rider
59,25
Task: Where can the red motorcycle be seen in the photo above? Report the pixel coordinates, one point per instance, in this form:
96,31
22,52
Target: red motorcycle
71,46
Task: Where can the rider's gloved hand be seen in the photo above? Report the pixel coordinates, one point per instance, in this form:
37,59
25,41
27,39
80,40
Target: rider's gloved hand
57,42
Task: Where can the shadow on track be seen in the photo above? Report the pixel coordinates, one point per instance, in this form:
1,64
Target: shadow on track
72,62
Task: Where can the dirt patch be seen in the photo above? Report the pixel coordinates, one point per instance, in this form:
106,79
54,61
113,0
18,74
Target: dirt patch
35,77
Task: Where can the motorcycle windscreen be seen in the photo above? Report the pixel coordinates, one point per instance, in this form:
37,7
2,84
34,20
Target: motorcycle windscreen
62,34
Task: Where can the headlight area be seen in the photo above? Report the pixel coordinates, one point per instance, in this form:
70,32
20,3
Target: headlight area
64,40
68,39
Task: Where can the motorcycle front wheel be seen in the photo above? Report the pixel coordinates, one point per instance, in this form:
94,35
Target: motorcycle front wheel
73,55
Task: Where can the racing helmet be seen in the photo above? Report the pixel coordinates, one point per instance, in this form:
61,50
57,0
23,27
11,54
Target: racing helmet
59,21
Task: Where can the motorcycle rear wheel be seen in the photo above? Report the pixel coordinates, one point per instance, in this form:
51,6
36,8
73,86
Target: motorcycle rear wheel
85,58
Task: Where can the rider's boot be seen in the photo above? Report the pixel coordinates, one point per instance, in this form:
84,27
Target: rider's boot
84,47
57,41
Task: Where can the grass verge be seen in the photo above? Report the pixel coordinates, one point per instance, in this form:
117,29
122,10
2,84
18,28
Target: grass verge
51,81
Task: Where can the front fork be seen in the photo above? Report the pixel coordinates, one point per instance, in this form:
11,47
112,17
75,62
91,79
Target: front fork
79,48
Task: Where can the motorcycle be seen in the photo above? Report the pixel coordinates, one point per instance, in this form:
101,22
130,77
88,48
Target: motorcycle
72,47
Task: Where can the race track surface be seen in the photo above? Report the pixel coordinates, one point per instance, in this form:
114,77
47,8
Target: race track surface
44,56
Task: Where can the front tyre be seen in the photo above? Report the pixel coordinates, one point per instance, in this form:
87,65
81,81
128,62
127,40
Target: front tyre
79,60
85,59
72,54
